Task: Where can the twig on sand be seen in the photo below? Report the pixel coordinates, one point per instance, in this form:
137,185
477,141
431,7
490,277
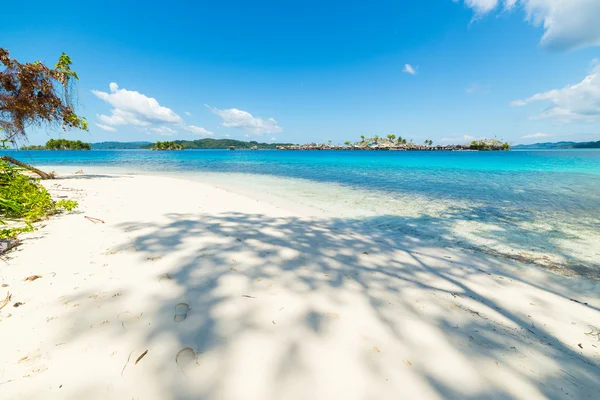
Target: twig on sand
94,220
140,357
579,302
126,364
6,300
594,332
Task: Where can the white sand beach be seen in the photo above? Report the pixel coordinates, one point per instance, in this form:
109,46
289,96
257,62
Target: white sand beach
183,290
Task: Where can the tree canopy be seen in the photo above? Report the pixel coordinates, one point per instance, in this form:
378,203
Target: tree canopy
61,144
33,94
167,146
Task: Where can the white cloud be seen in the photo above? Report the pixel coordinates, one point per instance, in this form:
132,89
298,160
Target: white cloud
477,88
189,114
567,24
106,128
120,117
199,131
481,6
234,118
458,139
535,135
409,69
134,108
574,103
595,66
164,131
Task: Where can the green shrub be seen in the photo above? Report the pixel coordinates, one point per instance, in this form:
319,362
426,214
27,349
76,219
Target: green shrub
24,198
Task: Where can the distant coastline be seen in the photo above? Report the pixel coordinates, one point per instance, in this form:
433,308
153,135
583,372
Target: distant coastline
560,145
253,145
189,144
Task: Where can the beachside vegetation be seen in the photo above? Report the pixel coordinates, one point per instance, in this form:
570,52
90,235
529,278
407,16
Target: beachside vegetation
35,95
31,95
24,199
60,144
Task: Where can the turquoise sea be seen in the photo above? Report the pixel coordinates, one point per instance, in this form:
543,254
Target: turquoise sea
535,206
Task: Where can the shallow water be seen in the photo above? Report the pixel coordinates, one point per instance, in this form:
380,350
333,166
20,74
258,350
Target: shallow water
534,206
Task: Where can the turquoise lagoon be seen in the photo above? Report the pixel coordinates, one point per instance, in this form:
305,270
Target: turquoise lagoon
541,207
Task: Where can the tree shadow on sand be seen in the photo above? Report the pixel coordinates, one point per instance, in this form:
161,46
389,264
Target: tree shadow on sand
255,307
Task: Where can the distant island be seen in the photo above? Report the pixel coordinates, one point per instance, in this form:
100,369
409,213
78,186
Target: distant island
191,144
60,144
560,145
167,146
399,144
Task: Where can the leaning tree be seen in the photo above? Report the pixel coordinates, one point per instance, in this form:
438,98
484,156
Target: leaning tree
34,95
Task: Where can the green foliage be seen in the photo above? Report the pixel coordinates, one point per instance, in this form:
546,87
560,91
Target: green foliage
67,205
64,65
24,198
21,196
63,144
167,146
489,144
11,233
33,147
60,144
223,144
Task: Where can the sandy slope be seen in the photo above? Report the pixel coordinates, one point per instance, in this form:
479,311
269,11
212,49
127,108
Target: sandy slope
233,298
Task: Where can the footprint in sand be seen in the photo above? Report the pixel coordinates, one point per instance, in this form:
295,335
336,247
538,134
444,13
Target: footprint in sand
130,321
165,281
181,312
187,360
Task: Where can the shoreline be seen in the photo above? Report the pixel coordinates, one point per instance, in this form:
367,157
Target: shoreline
192,291
430,220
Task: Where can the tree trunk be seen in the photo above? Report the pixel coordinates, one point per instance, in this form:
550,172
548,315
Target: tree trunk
42,174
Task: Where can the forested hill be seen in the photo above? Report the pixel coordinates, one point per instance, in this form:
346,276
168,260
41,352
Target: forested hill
189,144
560,145
225,144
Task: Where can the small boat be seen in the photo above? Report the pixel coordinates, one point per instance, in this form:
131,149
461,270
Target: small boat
231,147
254,148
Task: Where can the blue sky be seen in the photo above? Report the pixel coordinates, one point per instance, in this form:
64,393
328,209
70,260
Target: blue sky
289,71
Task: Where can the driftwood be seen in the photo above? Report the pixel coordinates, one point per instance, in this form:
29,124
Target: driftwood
42,174
6,245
